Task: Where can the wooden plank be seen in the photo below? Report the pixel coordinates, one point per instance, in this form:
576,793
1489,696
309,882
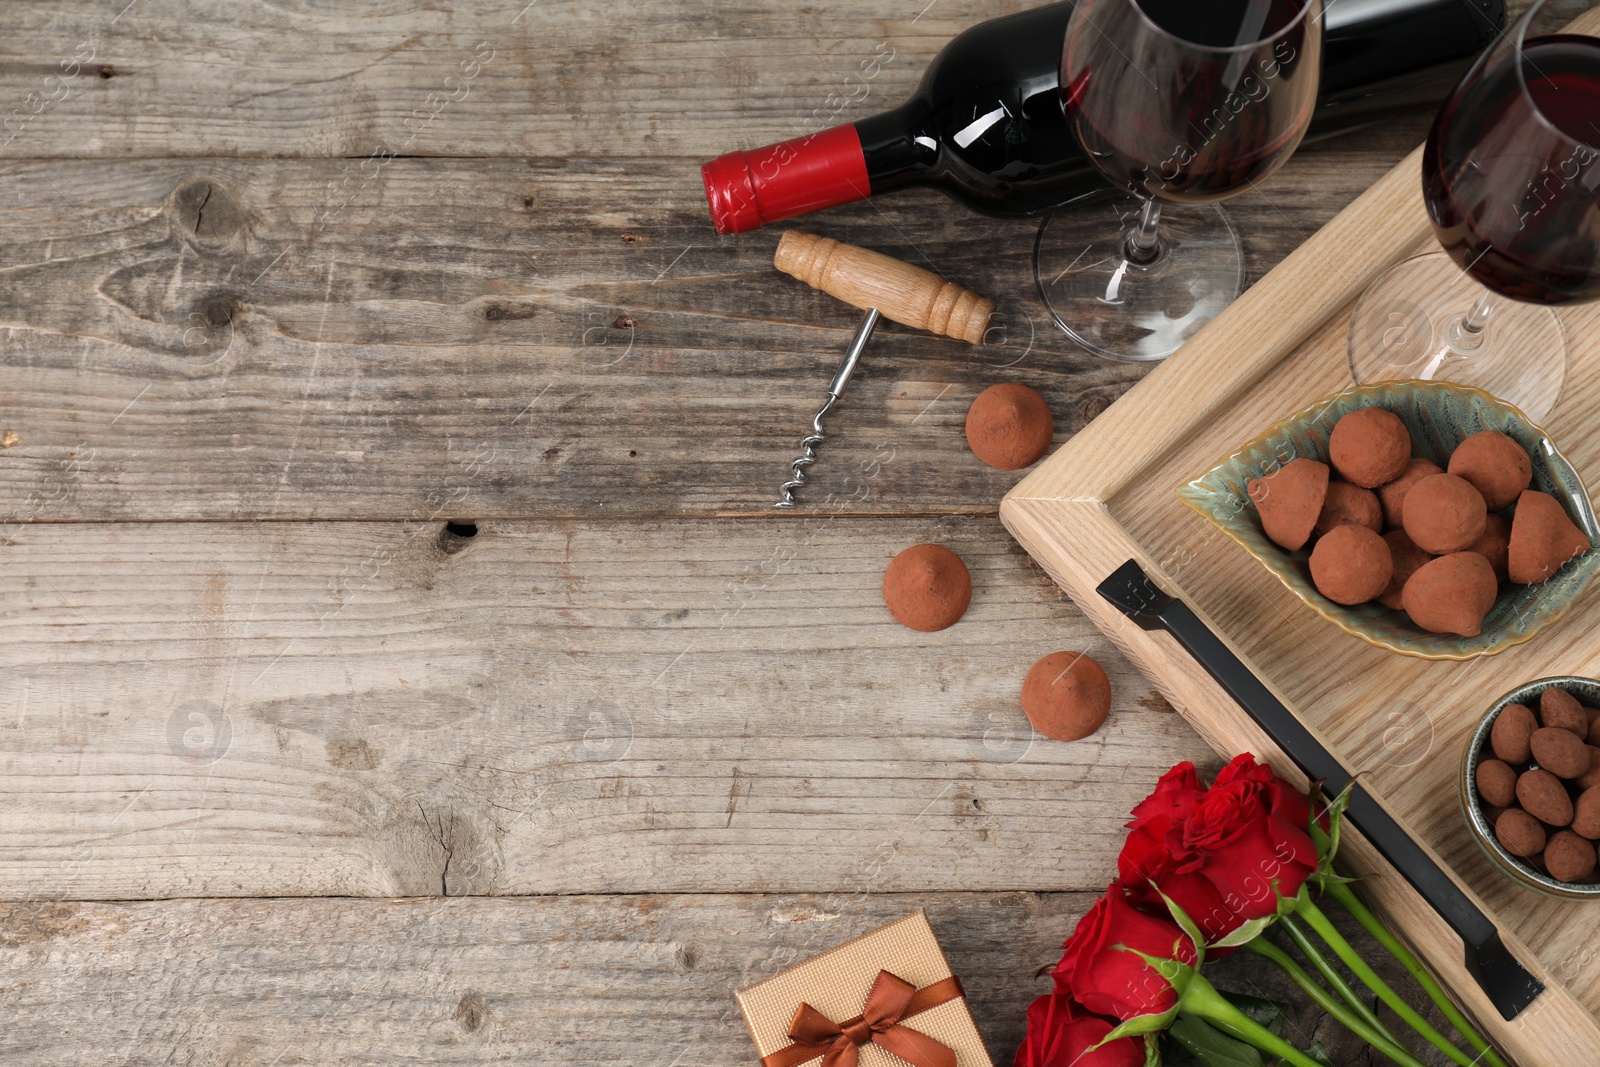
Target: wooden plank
1398,721
225,339
644,980
382,709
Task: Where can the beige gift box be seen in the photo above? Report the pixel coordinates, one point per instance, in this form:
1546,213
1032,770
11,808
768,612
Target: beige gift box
836,984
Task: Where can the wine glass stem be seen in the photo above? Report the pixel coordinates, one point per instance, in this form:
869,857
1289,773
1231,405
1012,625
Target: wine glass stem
1466,333
1144,242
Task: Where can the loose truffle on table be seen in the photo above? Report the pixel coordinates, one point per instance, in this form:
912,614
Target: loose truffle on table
1347,504
1495,464
1408,559
1495,544
1542,538
1497,782
1451,594
1392,496
1289,501
1444,514
1542,795
1568,857
1351,565
1557,707
1561,752
927,587
1519,832
1370,446
1511,733
1066,696
1009,426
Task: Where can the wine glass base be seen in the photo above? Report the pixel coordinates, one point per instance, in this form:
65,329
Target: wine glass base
1402,328
1129,311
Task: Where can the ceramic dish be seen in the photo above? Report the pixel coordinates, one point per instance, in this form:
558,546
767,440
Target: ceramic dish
1587,690
1439,415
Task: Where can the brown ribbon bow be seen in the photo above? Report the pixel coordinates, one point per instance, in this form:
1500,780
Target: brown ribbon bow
890,999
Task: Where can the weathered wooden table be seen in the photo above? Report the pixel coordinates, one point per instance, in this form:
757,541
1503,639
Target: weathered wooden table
401,660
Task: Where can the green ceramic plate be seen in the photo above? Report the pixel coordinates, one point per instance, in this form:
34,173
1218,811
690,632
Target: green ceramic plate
1439,415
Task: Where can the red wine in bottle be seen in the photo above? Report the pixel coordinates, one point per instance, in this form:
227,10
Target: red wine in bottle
986,124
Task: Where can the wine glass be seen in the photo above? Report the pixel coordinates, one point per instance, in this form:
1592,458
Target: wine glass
1181,103
1511,178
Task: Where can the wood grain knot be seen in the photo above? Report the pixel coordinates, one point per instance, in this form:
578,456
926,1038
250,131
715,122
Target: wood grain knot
208,216
472,1012
456,535
496,312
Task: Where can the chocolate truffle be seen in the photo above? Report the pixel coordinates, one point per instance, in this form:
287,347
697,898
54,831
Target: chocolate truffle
1009,426
1408,559
1512,730
1542,538
1066,696
1557,707
1350,505
1542,795
1568,857
927,587
1497,782
1393,495
1586,814
1561,752
1444,513
1496,465
1351,565
1591,777
1494,544
1452,594
1370,447
1519,832
1289,501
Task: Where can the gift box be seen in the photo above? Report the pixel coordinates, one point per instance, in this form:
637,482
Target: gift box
885,999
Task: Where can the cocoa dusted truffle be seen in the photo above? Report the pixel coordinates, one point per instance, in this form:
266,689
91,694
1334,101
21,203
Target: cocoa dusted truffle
1519,832
1066,695
1542,538
1370,446
1586,814
1542,795
927,587
1444,514
1408,559
1511,733
1349,505
1497,782
1290,501
1009,426
1393,495
1568,857
1452,594
1351,565
1496,465
1494,544
1561,752
1591,777
1559,708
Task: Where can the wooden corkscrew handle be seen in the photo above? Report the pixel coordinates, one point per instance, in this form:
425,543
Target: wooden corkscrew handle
909,295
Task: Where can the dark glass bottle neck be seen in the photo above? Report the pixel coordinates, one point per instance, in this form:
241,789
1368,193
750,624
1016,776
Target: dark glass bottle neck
900,146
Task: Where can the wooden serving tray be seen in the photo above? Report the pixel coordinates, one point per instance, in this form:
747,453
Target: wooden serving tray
1398,722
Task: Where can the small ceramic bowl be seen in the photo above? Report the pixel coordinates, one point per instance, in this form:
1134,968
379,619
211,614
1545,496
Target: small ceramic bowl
1439,415
1587,690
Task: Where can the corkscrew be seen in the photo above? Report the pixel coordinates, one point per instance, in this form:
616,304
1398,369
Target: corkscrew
883,287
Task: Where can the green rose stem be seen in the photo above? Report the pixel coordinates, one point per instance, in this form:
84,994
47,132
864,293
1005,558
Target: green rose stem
1377,1037
1346,952
1200,998
1309,950
1346,896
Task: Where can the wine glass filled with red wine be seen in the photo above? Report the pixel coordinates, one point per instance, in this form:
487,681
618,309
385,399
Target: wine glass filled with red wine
1511,179
1180,103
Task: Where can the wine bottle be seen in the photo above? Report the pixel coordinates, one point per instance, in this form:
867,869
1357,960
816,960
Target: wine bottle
986,124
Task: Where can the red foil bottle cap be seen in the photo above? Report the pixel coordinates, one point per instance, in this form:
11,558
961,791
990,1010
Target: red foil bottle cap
746,190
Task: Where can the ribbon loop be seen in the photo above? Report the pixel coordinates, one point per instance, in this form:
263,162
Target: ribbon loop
890,999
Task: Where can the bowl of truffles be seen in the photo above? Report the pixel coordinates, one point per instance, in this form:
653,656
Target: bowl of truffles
1530,785
1427,518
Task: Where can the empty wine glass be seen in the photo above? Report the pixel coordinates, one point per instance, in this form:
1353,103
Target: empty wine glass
1510,176
1181,103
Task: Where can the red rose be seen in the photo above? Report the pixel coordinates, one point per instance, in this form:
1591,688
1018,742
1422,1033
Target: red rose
1060,1033
1218,853
1110,981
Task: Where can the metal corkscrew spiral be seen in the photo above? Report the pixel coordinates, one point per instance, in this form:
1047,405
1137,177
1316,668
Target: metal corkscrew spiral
841,378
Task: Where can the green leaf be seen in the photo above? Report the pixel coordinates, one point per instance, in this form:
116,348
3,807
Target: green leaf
1211,1046
1152,1051
1246,932
1140,1024
1259,1010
